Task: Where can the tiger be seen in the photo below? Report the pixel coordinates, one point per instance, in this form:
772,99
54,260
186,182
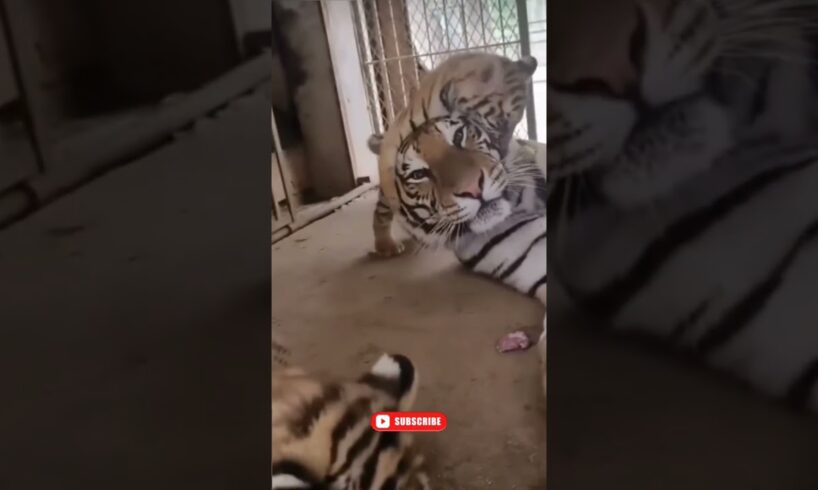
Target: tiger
683,172
453,175
321,434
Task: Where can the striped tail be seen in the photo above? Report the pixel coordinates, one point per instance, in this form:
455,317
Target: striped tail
395,375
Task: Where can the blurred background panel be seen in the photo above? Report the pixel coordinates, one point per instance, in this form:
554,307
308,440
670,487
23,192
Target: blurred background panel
87,84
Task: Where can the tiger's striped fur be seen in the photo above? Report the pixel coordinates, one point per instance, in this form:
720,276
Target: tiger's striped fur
322,437
455,177
698,222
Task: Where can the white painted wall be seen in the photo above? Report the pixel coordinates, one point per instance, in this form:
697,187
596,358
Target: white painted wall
346,65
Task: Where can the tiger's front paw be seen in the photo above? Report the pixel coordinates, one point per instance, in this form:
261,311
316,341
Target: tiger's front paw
388,248
585,130
678,51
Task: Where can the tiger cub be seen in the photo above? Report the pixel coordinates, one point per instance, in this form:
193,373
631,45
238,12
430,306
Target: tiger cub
321,434
453,175
441,160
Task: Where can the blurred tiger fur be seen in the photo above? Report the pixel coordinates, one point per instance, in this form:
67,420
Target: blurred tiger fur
684,170
321,434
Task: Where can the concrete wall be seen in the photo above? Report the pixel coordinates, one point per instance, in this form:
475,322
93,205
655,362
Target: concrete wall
154,47
95,56
252,15
57,47
302,43
8,88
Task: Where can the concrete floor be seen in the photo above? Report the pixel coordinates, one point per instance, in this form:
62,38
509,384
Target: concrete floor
335,310
134,321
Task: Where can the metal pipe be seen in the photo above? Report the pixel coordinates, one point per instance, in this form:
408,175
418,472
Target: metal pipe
525,50
438,53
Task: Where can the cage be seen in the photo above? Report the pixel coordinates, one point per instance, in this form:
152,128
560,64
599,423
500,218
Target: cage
399,39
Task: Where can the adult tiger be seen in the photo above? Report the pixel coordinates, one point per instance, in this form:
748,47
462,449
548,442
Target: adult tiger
322,437
684,203
454,176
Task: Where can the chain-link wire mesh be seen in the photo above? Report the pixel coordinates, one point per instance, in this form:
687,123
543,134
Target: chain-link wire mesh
399,39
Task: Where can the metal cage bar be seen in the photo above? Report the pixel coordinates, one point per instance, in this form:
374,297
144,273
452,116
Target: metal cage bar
280,174
435,30
525,50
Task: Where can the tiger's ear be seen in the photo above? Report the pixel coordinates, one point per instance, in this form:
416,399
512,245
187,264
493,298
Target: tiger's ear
374,143
396,375
528,64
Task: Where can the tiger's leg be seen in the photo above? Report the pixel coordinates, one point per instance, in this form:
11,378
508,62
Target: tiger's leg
686,139
385,245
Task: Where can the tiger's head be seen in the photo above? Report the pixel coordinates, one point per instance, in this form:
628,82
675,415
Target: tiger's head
443,161
321,433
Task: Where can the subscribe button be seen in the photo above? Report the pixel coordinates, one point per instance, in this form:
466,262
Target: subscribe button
408,421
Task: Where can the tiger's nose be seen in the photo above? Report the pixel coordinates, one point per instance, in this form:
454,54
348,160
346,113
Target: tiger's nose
472,189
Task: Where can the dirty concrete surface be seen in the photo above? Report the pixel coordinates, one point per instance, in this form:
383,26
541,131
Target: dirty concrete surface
134,321
336,309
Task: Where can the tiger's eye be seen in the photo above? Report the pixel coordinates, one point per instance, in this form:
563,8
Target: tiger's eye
459,137
420,174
